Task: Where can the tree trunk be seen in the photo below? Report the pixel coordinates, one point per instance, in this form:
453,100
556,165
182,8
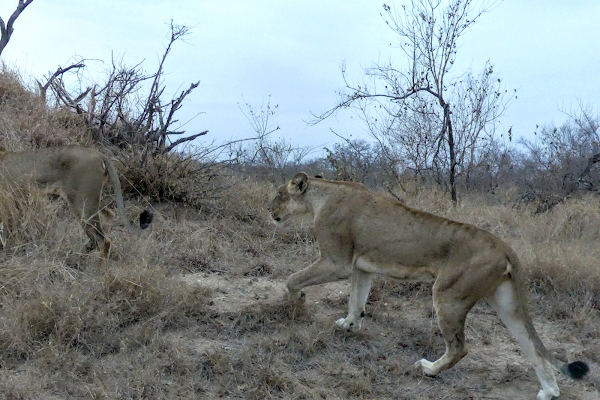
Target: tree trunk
448,125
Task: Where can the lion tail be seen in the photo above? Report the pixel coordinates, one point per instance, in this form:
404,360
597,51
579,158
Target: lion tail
575,370
145,216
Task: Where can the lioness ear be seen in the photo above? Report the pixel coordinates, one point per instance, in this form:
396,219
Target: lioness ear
298,183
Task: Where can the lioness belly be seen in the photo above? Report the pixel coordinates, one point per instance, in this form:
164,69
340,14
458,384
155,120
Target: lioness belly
398,271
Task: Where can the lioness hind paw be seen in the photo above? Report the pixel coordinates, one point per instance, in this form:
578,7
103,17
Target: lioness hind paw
425,366
299,297
542,395
90,246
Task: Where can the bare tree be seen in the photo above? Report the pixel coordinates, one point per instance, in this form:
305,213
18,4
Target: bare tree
261,121
276,158
423,92
127,112
564,159
6,31
479,101
123,110
353,160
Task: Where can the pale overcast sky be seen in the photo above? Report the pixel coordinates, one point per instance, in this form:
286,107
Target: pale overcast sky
292,50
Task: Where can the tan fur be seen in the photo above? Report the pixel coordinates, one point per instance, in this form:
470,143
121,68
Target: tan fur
361,233
75,173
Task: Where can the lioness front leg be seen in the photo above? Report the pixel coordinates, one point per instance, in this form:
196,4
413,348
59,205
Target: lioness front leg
323,271
361,285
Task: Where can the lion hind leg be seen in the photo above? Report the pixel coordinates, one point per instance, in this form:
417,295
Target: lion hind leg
106,249
504,301
96,235
87,211
451,316
360,288
93,229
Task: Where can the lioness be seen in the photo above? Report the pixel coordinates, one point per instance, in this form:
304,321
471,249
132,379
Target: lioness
76,173
361,233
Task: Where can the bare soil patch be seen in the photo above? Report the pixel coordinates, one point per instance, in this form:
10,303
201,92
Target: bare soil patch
377,362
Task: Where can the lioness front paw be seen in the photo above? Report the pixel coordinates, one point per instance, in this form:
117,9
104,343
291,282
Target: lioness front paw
542,395
349,324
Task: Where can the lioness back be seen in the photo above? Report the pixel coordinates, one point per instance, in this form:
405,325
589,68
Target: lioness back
52,165
383,230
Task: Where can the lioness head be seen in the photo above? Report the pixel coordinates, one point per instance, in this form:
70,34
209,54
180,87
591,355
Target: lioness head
289,200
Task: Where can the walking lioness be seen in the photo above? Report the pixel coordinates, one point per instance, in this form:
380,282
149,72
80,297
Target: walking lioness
361,233
76,173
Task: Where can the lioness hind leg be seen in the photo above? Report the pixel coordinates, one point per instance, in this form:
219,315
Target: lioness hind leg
87,210
360,287
96,236
106,249
451,314
93,229
504,301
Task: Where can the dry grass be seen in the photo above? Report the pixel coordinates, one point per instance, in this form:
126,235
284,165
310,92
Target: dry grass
72,325
26,122
21,220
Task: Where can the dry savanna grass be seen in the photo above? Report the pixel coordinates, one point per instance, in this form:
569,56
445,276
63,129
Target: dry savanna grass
195,307
26,121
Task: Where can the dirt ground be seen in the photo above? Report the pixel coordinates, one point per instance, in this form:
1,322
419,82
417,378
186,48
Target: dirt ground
377,362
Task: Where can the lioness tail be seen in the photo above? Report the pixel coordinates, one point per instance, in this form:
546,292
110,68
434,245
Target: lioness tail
575,370
145,216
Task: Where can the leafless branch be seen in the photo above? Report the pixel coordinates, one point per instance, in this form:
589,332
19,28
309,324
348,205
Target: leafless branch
59,71
6,31
183,140
422,93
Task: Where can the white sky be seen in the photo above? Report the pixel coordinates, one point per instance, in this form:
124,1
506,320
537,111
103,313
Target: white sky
292,50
